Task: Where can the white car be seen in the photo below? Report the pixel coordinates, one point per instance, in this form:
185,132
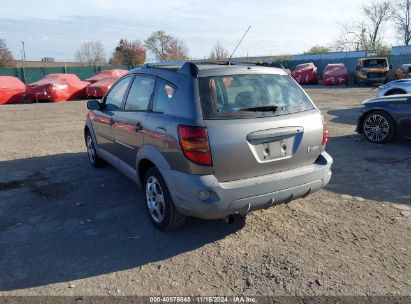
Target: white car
402,86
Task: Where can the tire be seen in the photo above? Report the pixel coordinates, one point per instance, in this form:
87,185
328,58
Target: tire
95,160
160,206
378,127
359,82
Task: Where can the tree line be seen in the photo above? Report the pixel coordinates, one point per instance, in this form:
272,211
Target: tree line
128,52
367,33
163,46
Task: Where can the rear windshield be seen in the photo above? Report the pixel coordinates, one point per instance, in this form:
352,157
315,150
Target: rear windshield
251,95
375,63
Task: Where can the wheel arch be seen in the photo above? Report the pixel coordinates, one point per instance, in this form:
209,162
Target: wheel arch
149,156
89,127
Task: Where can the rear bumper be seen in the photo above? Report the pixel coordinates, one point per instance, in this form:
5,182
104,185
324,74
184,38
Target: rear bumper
243,196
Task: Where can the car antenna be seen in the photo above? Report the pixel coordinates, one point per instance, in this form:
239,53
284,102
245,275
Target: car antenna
229,59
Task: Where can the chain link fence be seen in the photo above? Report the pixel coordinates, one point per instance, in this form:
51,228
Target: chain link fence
29,75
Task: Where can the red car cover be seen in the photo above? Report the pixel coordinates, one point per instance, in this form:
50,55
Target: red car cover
306,73
12,90
106,73
100,88
335,74
57,87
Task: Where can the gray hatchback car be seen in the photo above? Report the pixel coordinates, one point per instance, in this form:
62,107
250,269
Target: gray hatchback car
210,141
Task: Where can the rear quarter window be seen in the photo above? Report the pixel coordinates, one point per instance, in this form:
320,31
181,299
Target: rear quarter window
233,96
163,94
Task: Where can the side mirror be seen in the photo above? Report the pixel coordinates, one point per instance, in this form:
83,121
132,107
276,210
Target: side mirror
93,105
390,66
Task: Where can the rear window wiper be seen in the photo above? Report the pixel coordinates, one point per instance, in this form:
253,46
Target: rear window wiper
261,109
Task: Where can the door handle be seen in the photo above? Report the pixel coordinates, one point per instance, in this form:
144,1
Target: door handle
139,127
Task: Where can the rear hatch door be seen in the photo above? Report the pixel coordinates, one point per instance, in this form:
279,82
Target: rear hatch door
246,148
259,124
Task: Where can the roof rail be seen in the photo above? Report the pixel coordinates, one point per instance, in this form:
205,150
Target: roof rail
239,62
164,64
184,67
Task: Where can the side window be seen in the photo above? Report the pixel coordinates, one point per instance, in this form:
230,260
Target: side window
115,97
140,93
164,93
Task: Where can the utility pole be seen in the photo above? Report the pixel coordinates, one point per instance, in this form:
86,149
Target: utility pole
24,51
23,59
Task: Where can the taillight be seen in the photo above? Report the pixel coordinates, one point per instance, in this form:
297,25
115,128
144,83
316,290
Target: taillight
325,131
194,143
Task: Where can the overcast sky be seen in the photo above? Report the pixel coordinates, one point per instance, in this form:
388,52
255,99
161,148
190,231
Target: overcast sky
55,28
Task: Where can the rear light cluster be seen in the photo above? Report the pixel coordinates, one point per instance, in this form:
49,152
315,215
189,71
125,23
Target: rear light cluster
194,143
325,131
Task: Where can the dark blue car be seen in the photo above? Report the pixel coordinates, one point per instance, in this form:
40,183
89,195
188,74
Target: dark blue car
385,118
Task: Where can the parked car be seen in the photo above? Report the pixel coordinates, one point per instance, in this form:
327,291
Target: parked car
404,71
99,89
335,74
210,141
57,87
116,73
385,118
395,87
372,70
12,90
306,73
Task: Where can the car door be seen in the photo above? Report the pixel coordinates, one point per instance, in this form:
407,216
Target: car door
403,114
103,119
130,122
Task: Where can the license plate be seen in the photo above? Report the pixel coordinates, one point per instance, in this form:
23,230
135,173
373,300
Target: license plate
274,150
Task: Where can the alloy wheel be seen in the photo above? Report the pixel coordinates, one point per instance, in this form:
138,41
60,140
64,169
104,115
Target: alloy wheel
90,149
376,127
155,199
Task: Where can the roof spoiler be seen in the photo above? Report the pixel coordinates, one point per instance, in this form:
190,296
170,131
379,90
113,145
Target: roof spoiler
189,68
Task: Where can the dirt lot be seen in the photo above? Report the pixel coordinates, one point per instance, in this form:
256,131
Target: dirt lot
66,228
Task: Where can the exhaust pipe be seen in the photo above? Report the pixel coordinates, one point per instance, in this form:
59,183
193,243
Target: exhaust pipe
229,219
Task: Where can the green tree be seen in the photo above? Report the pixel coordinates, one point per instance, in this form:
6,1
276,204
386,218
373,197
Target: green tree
318,49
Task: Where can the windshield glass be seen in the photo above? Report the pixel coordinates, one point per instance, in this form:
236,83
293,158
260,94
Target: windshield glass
375,63
251,95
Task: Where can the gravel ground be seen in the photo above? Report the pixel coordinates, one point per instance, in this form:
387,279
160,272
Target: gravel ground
68,229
